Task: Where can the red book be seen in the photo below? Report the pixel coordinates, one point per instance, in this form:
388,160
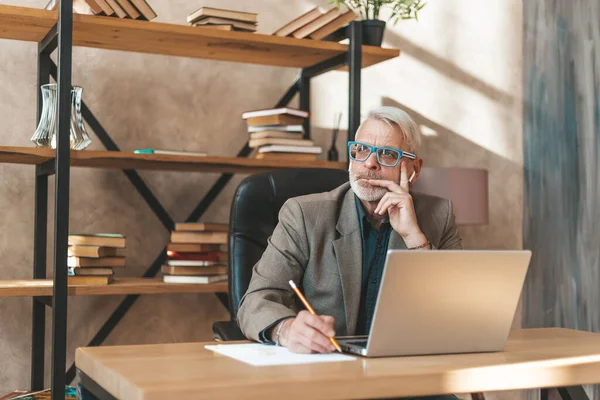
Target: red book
198,256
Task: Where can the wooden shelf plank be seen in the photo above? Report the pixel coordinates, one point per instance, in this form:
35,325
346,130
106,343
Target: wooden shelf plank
161,162
125,160
20,23
25,155
121,286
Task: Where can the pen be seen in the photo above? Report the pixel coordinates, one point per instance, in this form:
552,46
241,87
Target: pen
312,311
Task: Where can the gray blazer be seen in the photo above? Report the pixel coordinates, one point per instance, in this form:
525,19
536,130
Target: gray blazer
318,244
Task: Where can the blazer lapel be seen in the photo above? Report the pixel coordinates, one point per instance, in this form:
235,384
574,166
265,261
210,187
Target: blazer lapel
348,253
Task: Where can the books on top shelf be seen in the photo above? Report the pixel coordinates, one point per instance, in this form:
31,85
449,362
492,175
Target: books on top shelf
117,8
195,253
279,130
341,21
298,22
235,25
217,18
132,9
316,23
129,9
92,257
171,152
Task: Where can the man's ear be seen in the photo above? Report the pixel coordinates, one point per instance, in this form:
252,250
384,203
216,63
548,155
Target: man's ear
417,165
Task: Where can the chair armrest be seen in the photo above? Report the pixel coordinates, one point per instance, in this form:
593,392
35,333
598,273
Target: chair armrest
226,331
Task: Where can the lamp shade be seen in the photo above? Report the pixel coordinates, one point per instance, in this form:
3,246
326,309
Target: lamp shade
466,187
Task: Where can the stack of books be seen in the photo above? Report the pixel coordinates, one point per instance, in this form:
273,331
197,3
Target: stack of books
92,257
132,9
277,134
227,20
316,23
195,254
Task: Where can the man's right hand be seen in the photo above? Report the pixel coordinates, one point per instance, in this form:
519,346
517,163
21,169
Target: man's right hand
307,333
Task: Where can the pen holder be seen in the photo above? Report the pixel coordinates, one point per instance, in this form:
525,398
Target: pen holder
45,134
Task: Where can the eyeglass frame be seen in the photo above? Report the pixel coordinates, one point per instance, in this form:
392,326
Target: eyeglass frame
375,149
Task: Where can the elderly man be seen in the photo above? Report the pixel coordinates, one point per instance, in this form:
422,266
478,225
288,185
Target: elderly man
334,244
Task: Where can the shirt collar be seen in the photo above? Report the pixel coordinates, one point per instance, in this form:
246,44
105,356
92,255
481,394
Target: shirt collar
363,219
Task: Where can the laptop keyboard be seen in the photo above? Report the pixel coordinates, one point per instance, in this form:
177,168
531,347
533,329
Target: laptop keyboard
358,342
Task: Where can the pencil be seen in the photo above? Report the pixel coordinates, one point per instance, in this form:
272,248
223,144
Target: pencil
312,311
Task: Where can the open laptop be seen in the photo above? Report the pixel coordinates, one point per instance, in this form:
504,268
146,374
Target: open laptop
443,301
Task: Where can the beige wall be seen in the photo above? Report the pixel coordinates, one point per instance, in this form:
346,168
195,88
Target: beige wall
459,75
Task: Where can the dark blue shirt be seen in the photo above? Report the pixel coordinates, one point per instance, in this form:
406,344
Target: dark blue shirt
374,249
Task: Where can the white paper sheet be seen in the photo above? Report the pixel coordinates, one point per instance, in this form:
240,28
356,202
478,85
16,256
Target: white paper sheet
261,355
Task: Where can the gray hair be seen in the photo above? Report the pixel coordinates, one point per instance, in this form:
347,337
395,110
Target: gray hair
397,118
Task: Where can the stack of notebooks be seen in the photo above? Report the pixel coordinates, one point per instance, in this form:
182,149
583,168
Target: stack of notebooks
316,24
92,257
277,134
195,254
227,20
133,9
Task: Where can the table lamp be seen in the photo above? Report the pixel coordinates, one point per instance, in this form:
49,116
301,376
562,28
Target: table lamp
466,187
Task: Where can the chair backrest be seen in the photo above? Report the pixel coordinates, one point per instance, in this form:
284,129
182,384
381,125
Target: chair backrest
254,215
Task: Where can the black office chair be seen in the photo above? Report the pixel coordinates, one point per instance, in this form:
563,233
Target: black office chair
254,215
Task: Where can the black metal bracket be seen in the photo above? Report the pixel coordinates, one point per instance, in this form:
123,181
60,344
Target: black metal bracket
90,390
573,393
46,168
50,42
289,95
325,66
45,300
337,36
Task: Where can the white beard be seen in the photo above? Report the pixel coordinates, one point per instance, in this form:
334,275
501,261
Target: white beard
363,190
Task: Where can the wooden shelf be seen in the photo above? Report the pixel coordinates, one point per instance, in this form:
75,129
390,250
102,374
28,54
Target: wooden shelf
161,162
121,286
32,24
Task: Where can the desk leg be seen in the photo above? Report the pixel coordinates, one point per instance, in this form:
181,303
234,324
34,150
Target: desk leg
573,393
544,394
90,390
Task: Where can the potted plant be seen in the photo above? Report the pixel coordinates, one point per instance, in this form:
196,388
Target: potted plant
369,10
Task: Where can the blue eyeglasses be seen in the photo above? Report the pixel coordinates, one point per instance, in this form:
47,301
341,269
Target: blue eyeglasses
386,156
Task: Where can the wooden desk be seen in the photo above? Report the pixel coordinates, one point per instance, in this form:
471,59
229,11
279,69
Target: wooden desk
534,358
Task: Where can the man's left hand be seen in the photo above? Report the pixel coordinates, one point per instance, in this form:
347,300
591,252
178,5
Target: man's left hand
398,204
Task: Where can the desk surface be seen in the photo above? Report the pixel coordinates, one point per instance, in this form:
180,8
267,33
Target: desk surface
533,358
